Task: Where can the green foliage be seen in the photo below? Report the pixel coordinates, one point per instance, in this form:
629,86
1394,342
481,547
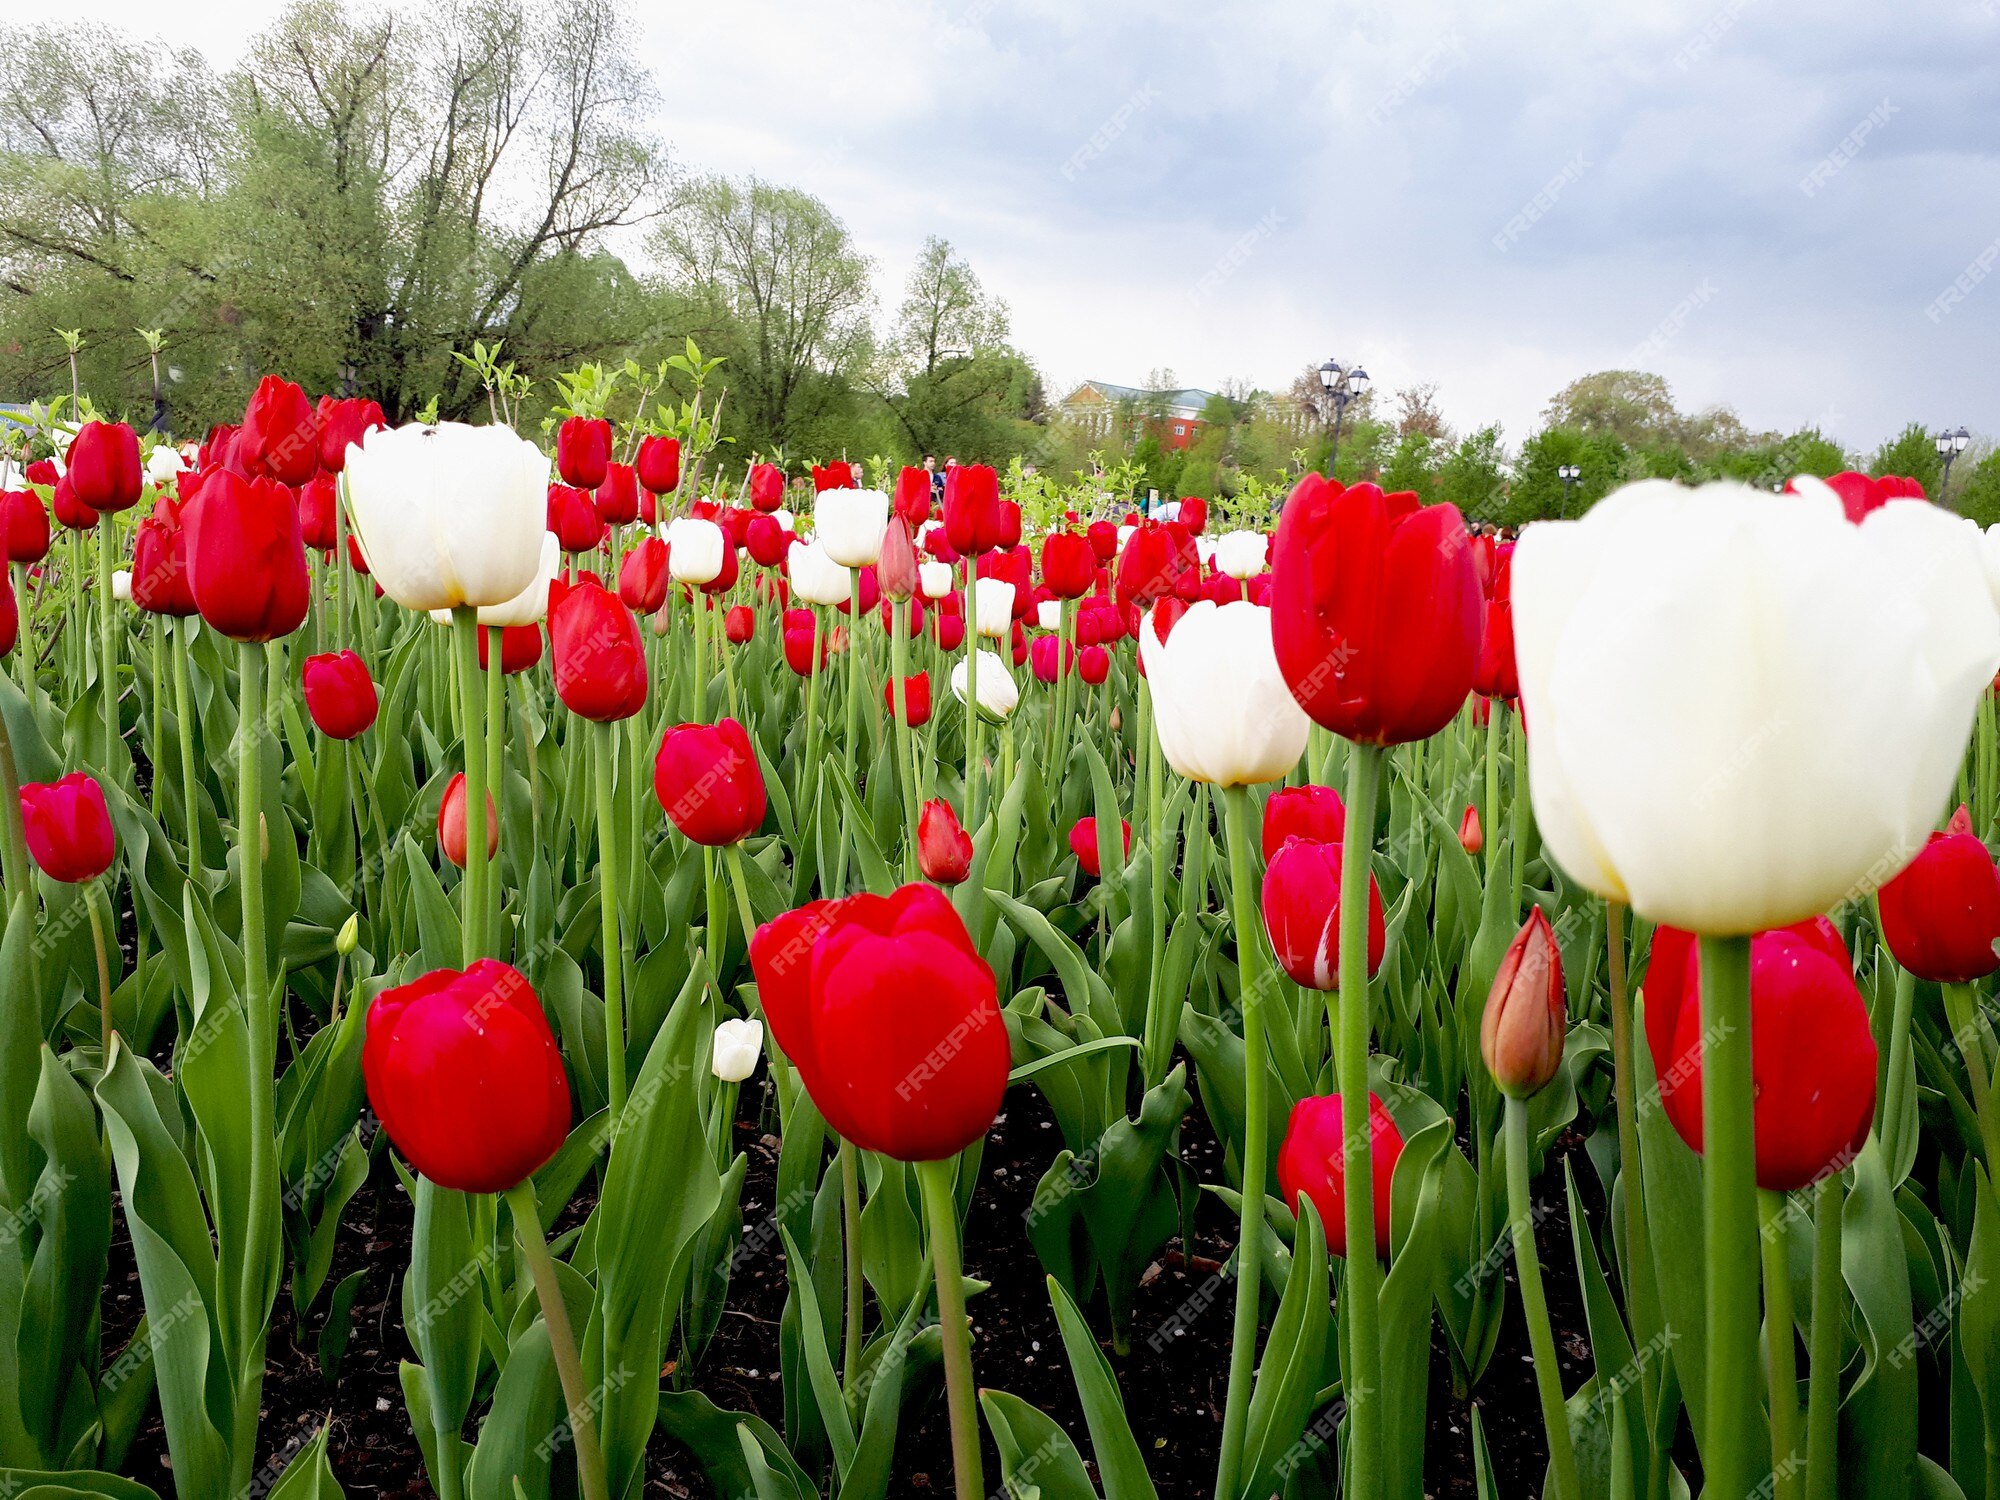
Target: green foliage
1913,454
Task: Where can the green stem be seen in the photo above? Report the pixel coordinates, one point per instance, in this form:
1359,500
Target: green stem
906,755
24,648
184,728
1534,1307
732,857
1729,1180
699,660
156,635
496,735
1640,1298
1828,1313
260,1005
850,1219
1161,1014
1363,1274
1496,718
107,642
1780,1353
13,841
1961,1006
853,705
1242,826
972,776
942,1209
1899,1047
606,747
562,1340
472,734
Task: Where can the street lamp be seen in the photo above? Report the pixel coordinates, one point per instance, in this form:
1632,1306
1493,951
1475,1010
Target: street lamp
1343,384
1569,474
1949,446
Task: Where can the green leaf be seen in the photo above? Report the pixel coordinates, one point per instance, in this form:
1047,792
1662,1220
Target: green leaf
1036,1456
1294,1355
1119,1463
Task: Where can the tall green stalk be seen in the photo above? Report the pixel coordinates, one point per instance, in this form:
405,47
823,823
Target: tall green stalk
1161,1008
605,744
850,1218
1780,1355
941,1207
906,755
184,732
562,1339
1363,1276
1732,1462
1534,1306
107,642
972,776
13,841
1829,1311
472,735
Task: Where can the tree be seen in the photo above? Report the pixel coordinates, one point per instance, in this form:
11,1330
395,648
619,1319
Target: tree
778,286
1417,411
1630,405
1412,466
1977,494
1913,454
1473,476
1537,492
949,377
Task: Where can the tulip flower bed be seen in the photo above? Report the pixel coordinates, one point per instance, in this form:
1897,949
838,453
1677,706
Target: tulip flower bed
621,970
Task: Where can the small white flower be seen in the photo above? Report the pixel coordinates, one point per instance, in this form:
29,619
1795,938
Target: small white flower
998,696
1048,614
849,524
993,606
738,1045
121,585
694,550
817,578
934,578
1240,554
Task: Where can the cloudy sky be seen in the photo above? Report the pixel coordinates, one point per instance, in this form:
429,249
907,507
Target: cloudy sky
1792,206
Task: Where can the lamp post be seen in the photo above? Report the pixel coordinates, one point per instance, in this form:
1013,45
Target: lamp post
1569,474
1342,384
1949,446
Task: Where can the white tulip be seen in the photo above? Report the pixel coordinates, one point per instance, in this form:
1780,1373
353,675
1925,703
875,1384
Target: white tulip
738,1045
1048,614
1240,554
531,605
121,585
786,520
1746,709
850,523
1125,535
163,463
993,606
934,578
1221,707
449,515
817,578
998,695
694,550
440,617
1204,549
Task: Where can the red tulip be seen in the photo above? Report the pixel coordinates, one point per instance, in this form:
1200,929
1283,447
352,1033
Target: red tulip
1527,1011
891,1017
767,487
944,848
1093,665
161,583
317,498
896,568
520,648
1471,837
768,540
1083,844
1010,525
1193,514
1052,658
1375,610
617,497
342,424
573,518
465,1075
247,563
340,695
357,562
68,828
1103,539
1311,1165
739,624
583,451
279,438
950,630
42,471
1302,913
1941,916
452,820
1068,564
709,783
973,522
834,476
1149,567
659,464
104,469
1812,1056
70,511
600,657
912,500
1496,676
916,699
1313,813
642,577
24,527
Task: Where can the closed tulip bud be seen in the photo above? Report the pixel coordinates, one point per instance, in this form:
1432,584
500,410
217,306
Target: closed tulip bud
599,655
1729,788
816,577
279,438
340,695
891,1017
1521,1034
1312,1164
1313,813
1941,915
709,783
68,828
1193,514
659,464
1302,913
944,848
1103,539
573,519
317,500
804,648
642,577
466,1078
1223,713
349,937
247,562
695,550
70,511
993,606
520,647
1093,665
452,823
738,1046
767,487
1375,610
1240,554
163,464
583,451
160,569
617,498
1068,565
121,585
342,424
1149,566
916,699
849,524
767,540
739,624
950,631
449,515
913,497
24,527
104,469
1470,836
1050,658
935,579
998,695
1083,844
973,522
896,568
